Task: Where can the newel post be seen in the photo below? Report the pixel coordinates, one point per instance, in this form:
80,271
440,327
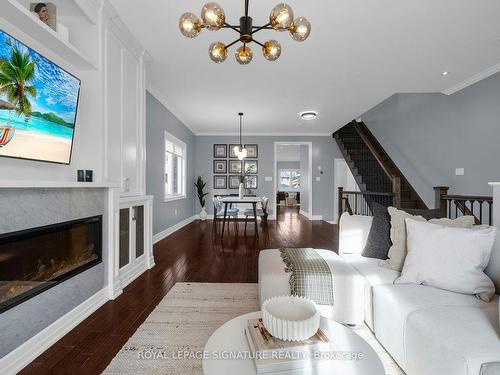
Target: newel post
440,203
396,189
340,201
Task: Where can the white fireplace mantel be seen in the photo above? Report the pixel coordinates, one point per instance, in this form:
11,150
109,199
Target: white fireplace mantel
20,184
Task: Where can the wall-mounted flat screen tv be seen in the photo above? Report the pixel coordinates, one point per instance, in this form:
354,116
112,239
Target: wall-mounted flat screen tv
38,105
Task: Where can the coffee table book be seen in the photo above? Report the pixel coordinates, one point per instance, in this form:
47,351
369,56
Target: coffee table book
275,355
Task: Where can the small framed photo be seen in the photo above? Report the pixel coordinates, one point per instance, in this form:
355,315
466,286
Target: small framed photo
220,166
220,151
45,13
220,182
251,167
253,151
232,155
235,166
251,182
234,182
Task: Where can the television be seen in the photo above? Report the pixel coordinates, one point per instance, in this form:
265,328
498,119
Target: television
38,105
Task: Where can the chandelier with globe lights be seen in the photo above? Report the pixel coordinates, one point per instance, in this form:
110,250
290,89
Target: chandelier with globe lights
213,18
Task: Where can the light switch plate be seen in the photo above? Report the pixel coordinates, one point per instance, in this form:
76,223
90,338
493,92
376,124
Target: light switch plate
318,178
459,172
268,179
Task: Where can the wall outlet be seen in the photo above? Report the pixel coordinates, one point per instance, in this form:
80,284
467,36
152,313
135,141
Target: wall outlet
459,171
175,211
318,178
268,179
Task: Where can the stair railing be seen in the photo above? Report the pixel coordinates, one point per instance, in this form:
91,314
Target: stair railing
453,206
393,177
359,203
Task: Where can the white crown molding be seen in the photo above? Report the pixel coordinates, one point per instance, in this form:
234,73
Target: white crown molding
24,354
156,93
472,80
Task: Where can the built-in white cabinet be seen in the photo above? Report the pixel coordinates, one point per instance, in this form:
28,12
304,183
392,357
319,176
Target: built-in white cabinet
135,240
125,92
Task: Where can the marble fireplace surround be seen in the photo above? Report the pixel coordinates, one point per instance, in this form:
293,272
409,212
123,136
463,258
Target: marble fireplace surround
45,204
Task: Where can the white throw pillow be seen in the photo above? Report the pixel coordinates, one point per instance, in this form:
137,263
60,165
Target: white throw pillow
397,252
448,258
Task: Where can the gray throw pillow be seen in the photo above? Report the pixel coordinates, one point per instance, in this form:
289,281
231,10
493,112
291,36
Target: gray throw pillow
379,241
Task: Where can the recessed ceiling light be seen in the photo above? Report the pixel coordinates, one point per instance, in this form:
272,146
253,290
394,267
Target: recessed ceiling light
309,115
445,73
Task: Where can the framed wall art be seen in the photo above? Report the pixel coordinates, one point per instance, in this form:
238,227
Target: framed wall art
220,182
220,166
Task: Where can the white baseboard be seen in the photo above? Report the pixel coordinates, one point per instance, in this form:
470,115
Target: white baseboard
332,222
167,232
317,217
304,213
133,272
23,355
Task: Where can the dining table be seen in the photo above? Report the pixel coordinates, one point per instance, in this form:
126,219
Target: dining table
237,200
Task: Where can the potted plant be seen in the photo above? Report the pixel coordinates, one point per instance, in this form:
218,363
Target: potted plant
200,186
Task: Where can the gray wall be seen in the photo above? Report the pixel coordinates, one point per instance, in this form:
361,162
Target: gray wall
51,206
158,120
285,165
429,135
304,186
324,151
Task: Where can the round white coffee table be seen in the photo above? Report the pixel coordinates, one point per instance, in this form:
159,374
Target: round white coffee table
230,337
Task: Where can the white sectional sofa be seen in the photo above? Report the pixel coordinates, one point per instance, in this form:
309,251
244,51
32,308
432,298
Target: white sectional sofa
428,331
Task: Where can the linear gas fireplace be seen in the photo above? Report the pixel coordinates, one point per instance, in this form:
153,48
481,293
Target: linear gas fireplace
34,260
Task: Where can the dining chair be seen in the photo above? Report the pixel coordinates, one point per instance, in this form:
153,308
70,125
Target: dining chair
291,199
261,212
219,213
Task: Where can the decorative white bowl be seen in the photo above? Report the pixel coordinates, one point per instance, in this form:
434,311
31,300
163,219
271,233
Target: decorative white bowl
290,318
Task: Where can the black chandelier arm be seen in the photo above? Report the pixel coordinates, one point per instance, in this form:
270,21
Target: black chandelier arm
261,28
260,44
231,44
228,26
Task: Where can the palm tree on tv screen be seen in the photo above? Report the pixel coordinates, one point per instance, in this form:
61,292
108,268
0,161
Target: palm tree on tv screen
16,78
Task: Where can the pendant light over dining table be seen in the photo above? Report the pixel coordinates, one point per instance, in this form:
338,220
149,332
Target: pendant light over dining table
213,18
240,151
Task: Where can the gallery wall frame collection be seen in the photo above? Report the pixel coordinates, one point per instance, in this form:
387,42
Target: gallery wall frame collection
227,168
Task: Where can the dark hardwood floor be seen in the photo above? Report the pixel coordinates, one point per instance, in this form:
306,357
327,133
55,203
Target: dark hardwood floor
194,254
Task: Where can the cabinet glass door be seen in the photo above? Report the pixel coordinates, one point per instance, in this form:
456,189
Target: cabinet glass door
124,237
139,230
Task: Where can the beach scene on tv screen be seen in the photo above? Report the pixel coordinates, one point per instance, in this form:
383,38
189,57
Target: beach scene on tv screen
38,103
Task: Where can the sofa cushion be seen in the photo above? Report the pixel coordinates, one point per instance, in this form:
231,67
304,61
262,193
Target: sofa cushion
373,276
453,259
353,233
393,304
453,340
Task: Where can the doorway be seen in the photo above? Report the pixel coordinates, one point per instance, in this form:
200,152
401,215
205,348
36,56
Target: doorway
293,195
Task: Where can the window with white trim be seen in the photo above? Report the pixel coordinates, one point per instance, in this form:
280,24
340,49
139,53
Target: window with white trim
289,179
175,168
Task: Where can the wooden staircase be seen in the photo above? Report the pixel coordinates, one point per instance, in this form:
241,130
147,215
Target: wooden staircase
371,166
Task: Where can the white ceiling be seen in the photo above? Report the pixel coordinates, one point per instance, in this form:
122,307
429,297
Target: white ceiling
359,53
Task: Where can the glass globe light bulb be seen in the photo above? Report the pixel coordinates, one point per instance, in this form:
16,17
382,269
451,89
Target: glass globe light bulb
271,50
244,55
213,16
217,52
300,29
281,17
236,150
190,25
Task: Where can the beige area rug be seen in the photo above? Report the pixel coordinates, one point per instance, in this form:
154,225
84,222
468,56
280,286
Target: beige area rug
185,319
